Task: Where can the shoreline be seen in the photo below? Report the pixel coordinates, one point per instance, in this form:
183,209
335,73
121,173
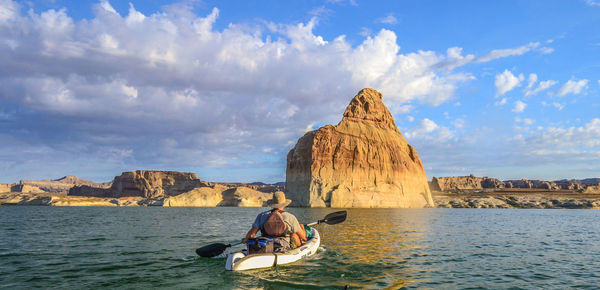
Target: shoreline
540,199
516,199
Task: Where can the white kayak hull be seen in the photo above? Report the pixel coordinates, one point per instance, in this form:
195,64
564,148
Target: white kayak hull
239,261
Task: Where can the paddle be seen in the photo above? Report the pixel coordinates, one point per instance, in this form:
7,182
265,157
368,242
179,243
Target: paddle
213,250
332,218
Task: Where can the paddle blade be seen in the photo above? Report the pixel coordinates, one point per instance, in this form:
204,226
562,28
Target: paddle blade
335,217
211,250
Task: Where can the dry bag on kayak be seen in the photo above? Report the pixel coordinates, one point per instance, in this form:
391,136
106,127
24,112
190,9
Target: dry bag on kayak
260,245
309,232
275,225
281,245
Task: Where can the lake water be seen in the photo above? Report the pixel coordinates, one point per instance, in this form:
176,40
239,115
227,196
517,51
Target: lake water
152,247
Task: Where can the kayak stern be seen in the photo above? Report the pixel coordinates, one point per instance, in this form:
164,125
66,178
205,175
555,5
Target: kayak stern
239,261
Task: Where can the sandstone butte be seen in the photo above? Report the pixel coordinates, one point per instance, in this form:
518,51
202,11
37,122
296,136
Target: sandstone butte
363,162
172,188
461,184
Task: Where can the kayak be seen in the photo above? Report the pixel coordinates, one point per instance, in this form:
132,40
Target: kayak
240,261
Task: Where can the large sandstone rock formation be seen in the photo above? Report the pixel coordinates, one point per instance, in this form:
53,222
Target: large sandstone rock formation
363,162
154,184
208,196
459,183
150,184
219,195
5,188
259,186
473,183
571,201
172,188
595,189
19,187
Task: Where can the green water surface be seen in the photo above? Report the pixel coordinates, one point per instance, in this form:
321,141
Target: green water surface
153,247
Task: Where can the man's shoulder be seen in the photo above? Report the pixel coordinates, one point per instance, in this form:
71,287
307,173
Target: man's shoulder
288,215
264,213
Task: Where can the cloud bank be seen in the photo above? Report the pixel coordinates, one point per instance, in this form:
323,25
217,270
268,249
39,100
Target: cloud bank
168,88
170,91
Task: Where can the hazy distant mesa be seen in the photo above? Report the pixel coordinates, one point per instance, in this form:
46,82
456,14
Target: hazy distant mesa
484,192
137,188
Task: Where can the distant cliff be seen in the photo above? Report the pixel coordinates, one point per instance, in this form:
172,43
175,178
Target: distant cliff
219,195
154,184
484,192
56,186
472,183
172,188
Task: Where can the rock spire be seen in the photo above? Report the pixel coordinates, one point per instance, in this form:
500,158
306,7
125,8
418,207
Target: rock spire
362,162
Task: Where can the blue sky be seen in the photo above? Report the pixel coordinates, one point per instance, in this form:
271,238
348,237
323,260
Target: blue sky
506,89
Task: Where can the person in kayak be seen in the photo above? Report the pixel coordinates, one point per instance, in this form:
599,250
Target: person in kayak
281,225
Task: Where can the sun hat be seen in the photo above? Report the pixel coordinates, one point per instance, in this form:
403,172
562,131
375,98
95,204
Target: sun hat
279,200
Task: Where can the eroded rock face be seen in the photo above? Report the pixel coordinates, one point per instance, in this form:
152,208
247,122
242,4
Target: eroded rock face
518,201
363,162
470,182
154,184
218,195
473,183
208,196
85,190
595,189
5,188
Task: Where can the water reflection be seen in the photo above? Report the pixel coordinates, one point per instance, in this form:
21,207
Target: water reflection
373,236
372,248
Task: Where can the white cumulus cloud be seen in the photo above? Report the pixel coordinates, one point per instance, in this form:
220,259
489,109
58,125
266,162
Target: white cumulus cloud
424,127
573,87
573,138
8,10
429,130
107,7
519,107
506,82
533,78
542,86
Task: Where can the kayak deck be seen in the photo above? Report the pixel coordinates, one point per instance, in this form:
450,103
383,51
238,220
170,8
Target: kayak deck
239,261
